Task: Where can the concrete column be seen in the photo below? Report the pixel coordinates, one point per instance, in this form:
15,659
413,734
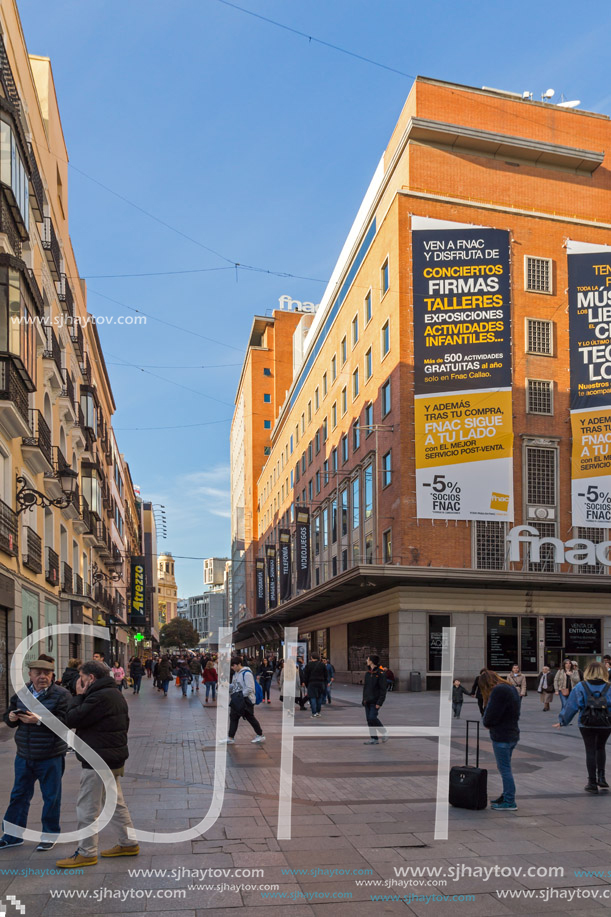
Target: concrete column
338,647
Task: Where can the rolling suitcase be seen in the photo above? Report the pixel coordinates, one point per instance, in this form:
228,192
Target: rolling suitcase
469,785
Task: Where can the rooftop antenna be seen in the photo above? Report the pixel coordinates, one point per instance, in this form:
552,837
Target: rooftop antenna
548,94
572,104
527,96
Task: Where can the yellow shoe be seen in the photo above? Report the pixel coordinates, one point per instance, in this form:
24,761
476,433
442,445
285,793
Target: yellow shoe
75,860
119,851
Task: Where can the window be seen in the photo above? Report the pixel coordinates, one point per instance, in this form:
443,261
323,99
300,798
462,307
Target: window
334,460
356,513
344,560
303,423
267,371
537,274
317,442
539,396
385,398
291,444
368,365
297,434
292,480
540,476
368,418
297,472
303,463
316,534
334,415
596,536
324,385
303,495
343,503
355,383
490,546
356,553
369,549
385,338
325,528
344,400
325,472
310,455
539,336
344,449
13,172
267,450
386,468
267,398
384,281
334,521
334,566
311,490
368,502
317,482
368,308
333,368
267,424
356,435
546,564
387,546
355,330
309,412
344,350
316,399
325,429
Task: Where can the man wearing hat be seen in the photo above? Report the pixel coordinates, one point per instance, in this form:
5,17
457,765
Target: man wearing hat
40,755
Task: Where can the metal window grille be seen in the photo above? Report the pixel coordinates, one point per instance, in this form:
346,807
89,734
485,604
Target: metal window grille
541,476
547,553
596,536
539,336
538,275
490,550
539,395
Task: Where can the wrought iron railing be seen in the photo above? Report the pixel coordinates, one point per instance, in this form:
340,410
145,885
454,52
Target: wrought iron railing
50,243
37,194
78,584
53,350
52,567
32,558
41,435
12,387
67,577
68,387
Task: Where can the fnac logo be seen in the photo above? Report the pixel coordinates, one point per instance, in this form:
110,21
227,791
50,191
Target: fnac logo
13,905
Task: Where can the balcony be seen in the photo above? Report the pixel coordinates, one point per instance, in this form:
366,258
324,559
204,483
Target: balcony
52,567
8,225
32,558
37,194
102,540
67,405
36,448
86,370
32,283
64,294
9,528
14,404
50,244
52,365
67,578
52,483
82,443
72,510
78,585
76,336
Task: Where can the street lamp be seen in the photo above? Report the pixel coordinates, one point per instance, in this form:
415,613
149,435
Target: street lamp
27,497
98,575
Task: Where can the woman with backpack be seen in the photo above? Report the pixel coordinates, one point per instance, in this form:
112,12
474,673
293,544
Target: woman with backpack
591,698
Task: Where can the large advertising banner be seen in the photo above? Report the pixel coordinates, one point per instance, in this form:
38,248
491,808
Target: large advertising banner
260,585
284,555
302,549
462,368
590,354
272,580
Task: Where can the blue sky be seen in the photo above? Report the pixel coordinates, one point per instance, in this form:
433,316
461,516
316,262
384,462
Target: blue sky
259,145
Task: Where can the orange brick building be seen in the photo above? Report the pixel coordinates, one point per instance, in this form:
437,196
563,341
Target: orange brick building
342,437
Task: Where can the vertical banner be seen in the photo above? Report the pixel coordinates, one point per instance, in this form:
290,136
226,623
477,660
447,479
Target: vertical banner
284,551
590,354
272,581
260,585
462,367
137,610
303,548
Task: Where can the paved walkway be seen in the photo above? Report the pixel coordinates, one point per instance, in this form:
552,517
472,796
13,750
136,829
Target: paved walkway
356,807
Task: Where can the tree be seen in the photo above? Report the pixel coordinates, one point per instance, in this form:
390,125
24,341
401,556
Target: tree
178,632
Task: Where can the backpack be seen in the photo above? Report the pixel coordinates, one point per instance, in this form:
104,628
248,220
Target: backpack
596,714
258,688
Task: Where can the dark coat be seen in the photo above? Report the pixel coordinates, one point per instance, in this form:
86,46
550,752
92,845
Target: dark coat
457,694
136,668
315,673
375,687
69,679
38,743
502,714
101,719
165,670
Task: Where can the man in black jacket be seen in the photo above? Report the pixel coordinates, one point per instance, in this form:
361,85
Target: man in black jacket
41,755
315,680
99,713
374,695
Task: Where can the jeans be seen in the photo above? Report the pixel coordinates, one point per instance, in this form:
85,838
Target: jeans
563,700
373,721
195,683
456,708
184,684
503,752
596,756
211,686
248,715
315,693
266,684
88,807
49,774
165,684
326,696
137,679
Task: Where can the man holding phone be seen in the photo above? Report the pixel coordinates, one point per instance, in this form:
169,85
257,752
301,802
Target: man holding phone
41,755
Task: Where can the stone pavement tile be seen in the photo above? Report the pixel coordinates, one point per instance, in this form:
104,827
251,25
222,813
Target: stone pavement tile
218,860
39,885
347,889
58,907
34,904
322,832
480,844
361,909
238,832
259,860
347,857
313,843
568,843
297,819
388,840
386,855
440,849
482,906
368,818
204,900
255,899
587,859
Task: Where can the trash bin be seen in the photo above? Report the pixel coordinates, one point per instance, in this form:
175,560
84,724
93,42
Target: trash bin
415,681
